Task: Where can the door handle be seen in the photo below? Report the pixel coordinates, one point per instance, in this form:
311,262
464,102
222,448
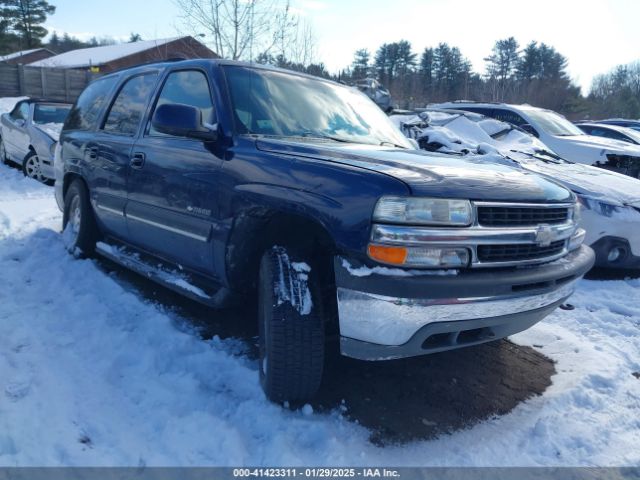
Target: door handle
92,152
137,160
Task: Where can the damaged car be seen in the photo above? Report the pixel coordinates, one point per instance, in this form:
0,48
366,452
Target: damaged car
610,201
561,136
28,134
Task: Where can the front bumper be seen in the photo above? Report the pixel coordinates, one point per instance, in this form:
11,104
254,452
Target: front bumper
46,167
619,230
384,316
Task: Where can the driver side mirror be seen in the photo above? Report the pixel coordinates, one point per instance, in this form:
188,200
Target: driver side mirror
20,122
183,121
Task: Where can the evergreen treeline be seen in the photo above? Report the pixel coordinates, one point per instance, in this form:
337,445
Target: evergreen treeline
536,74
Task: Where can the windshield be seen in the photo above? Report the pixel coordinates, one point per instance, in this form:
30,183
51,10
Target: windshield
633,134
44,113
553,124
286,105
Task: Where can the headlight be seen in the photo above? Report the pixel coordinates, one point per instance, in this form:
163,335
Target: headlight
608,209
423,211
577,213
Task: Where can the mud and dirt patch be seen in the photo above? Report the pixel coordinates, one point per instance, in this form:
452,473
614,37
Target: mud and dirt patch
400,400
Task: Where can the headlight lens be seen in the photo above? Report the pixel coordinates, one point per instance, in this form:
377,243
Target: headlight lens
577,213
423,211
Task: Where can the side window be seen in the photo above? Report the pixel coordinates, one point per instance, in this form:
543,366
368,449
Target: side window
616,135
480,110
127,110
85,112
598,132
509,117
187,87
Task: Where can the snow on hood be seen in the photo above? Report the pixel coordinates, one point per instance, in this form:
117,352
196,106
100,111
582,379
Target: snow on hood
472,135
51,129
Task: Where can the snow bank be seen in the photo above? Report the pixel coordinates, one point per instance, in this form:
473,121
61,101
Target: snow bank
93,374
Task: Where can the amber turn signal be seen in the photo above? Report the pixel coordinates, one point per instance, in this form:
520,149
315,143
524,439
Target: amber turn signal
387,254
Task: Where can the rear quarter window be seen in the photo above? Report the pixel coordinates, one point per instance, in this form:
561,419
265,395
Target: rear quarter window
86,111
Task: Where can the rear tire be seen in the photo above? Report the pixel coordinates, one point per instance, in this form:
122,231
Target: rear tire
79,229
291,323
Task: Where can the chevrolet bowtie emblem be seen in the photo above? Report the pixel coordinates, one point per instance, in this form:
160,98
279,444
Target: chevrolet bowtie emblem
544,235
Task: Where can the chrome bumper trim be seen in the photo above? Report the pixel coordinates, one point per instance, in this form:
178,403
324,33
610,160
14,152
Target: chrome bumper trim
393,321
421,236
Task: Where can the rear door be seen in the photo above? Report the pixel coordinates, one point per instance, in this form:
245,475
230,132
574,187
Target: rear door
109,150
172,207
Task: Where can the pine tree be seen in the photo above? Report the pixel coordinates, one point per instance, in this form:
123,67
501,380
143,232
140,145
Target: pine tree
25,18
501,67
360,67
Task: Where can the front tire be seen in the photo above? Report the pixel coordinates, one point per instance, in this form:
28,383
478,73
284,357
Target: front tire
291,323
79,229
32,168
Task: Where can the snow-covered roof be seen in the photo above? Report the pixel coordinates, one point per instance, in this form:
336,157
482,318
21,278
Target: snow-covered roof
86,57
22,53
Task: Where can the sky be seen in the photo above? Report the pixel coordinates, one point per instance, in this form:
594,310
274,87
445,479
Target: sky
595,35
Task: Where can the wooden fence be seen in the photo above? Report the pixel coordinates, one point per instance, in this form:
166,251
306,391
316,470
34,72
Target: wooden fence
51,83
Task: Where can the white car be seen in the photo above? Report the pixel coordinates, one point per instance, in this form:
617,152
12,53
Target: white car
610,201
561,136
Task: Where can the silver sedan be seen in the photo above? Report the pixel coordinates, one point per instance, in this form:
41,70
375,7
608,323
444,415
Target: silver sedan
28,135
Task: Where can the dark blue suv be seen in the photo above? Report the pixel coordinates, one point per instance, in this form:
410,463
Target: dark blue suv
228,181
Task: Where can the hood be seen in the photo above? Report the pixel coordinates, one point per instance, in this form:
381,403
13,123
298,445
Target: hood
607,186
432,174
591,141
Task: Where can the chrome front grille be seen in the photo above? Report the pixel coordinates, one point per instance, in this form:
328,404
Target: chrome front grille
518,252
502,234
513,216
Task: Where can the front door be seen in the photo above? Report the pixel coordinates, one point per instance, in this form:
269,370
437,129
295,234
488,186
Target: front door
172,206
109,151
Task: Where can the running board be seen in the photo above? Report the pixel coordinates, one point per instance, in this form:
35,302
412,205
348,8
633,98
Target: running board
162,273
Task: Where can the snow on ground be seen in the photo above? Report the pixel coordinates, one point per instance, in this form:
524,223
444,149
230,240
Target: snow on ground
93,374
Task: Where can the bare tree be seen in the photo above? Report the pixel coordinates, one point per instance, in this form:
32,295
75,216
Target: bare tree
242,29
